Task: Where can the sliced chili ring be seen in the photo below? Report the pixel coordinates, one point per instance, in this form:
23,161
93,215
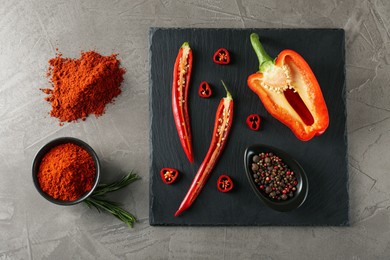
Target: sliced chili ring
224,183
253,121
204,90
221,56
169,175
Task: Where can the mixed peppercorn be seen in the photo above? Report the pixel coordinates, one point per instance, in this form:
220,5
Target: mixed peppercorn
273,177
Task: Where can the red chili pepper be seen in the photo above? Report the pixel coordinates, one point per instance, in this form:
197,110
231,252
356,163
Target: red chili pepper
253,121
224,183
221,56
180,85
204,90
169,175
289,91
223,123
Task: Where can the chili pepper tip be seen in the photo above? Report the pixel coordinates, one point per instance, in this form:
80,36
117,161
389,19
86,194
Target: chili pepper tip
179,211
183,206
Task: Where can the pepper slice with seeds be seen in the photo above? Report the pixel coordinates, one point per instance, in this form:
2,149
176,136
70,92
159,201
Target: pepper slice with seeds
180,85
169,175
221,56
204,90
224,183
289,91
253,121
222,125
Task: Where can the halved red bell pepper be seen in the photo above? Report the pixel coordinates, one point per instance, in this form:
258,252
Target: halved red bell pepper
181,83
253,121
224,183
222,126
204,90
289,91
169,175
221,56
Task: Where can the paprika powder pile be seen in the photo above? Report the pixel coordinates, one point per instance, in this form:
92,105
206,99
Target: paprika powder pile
83,86
66,172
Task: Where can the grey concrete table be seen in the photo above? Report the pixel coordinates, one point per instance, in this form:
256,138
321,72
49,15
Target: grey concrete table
30,227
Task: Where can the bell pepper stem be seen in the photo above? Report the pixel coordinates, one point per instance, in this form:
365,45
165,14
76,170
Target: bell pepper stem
265,60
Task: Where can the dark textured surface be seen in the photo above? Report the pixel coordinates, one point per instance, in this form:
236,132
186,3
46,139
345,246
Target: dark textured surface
323,158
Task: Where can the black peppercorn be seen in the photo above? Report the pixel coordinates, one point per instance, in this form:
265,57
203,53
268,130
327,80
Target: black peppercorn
256,158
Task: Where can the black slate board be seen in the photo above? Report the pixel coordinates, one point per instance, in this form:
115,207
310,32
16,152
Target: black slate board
323,158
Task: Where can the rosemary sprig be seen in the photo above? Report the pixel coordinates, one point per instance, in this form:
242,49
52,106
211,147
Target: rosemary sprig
126,180
113,208
97,199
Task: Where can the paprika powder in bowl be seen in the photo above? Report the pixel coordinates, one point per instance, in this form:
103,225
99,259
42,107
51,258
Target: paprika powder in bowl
66,171
277,179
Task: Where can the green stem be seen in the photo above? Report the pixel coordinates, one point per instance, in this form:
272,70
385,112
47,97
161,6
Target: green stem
264,59
228,95
185,44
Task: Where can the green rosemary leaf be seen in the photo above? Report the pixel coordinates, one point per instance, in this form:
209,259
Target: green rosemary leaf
97,200
112,208
126,180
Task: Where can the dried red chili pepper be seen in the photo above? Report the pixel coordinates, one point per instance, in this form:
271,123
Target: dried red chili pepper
221,56
204,90
169,175
223,123
181,82
289,91
253,121
224,183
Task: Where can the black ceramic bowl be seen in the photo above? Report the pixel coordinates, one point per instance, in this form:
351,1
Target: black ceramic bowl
45,149
302,187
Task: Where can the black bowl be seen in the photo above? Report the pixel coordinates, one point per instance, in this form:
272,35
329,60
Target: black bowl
45,149
302,187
